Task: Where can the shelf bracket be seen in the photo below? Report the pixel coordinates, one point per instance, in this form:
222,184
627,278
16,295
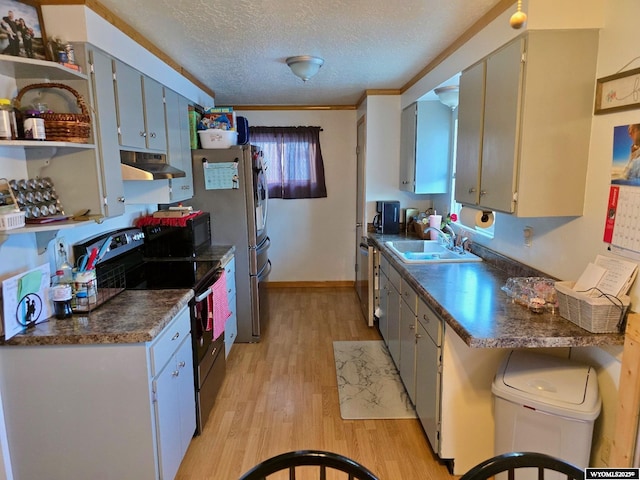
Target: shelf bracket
42,239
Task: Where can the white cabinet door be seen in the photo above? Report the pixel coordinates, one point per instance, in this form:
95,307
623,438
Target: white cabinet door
408,349
178,145
425,141
154,115
383,305
175,409
106,129
140,102
393,323
408,123
501,128
129,98
469,143
231,326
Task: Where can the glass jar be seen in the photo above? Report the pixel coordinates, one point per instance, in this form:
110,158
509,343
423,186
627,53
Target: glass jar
8,127
34,125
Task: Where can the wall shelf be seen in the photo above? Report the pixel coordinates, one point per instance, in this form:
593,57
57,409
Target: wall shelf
44,232
18,67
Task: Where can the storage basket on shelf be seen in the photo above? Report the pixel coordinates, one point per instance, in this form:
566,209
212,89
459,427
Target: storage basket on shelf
63,127
604,314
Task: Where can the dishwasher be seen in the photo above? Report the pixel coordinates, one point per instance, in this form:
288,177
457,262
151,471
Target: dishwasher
367,279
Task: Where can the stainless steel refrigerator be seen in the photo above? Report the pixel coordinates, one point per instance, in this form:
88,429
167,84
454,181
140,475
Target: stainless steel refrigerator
231,185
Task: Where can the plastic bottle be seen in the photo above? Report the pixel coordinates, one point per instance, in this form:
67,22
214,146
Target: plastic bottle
8,127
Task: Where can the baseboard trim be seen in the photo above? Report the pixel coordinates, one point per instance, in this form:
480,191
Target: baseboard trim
330,284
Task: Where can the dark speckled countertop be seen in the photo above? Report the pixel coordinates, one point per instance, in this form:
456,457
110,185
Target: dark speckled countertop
469,298
133,316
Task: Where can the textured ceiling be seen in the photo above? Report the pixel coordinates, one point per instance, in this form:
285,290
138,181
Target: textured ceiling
238,48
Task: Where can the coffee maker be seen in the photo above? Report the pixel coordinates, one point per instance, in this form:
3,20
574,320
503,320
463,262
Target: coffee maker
387,219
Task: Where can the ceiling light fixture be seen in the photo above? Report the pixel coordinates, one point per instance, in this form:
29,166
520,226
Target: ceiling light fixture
519,18
305,66
448,96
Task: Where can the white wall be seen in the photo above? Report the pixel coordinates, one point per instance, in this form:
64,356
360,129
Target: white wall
382,164
314,239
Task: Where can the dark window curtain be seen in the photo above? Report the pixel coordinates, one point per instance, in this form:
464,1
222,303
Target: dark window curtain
294,161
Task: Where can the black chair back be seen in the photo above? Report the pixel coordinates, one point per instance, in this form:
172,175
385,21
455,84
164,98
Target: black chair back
323,460
513,462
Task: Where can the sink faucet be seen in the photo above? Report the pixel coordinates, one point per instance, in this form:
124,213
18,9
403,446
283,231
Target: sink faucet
448,241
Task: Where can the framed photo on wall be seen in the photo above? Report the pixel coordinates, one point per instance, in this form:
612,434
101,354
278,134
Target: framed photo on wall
22,30
618,92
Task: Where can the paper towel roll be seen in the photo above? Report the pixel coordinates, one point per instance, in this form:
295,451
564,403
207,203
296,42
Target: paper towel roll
435,221
472,217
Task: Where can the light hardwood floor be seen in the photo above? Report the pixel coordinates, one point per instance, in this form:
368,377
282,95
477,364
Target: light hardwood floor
281,395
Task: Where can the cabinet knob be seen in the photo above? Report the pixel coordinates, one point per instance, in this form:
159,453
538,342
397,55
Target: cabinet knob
181,364
121,199
425,317
483,193
418,335
412,327
175,373
152,134
175,337
472,190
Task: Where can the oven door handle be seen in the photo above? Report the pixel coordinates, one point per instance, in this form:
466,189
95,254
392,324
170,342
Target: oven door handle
204,295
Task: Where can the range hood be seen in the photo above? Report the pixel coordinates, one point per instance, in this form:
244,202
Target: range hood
147,166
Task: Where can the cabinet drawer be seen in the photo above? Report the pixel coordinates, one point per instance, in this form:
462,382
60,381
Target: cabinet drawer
384,265
230,272
409,296
169,340
394,278
431,322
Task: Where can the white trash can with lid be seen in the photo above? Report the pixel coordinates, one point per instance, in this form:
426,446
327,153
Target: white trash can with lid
545,404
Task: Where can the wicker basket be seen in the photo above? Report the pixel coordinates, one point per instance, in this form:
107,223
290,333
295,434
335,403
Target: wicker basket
9,221
63,127
595,314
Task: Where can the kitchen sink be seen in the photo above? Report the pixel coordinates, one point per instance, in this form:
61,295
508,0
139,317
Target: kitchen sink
429,251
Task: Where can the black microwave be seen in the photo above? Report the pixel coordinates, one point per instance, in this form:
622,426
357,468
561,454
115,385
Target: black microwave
178,241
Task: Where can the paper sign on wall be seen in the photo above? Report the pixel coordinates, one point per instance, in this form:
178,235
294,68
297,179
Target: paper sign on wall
25,300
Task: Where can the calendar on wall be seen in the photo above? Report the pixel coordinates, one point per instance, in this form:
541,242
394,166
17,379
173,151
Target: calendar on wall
622,226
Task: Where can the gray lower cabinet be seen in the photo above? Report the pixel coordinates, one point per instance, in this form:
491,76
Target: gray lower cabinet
383,302
407,365
428,373
393,322
100,410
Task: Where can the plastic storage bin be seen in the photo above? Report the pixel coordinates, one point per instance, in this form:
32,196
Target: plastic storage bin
545,404
215,138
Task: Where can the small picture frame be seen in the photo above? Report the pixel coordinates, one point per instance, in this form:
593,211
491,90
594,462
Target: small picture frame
618,92
22,30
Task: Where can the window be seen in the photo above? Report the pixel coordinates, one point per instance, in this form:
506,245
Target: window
294,161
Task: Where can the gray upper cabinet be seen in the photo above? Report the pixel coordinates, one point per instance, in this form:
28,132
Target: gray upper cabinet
425,147
140,103
179,144
524,124
106,127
